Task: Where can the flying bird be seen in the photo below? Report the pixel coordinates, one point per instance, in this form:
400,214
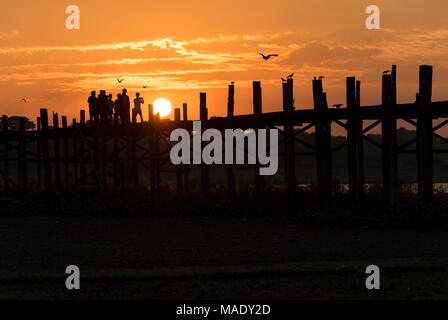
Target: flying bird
269,56
291,75
120,80
24,100
144,87
337,106
386,71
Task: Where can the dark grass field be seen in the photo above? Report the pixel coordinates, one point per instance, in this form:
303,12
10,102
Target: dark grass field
135,247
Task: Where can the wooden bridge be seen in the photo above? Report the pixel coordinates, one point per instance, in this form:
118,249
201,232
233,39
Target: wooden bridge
62,155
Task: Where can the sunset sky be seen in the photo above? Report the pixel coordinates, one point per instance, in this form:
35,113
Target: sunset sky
179,48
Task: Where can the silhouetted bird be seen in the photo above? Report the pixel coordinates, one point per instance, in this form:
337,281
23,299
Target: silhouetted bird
144,87
321,77
120,80
284,80
386,71
269,56
24,100
232,83
337,106
291,75
315,78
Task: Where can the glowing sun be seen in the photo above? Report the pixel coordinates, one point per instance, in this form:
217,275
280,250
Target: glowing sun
163,107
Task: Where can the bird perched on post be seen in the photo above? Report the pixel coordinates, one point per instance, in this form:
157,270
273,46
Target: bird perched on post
386,71
284,80
315,78
232,83
269,56
337,106
291,75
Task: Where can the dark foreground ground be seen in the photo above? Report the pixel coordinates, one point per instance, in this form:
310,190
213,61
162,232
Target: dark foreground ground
163,250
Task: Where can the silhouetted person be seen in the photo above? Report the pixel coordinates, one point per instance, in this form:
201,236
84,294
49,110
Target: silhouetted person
110,110
103,106
138,101
117,111
126,107
93,107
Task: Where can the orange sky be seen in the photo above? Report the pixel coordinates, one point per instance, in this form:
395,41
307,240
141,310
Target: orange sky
179,48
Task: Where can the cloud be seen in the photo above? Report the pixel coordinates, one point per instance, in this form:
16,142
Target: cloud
317,54
8,35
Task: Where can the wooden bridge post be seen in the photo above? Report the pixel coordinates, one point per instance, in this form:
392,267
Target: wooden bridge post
288,109
150,112
5,144
424,136
229,167
152,149
179,167
258,111
39,155
355,151
65,151
45,150
389,139
82,146
157,140
186,169
185,111
75,159
323,143
22,179
57,151
203,111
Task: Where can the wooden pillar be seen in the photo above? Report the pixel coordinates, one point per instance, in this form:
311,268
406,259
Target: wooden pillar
65,151
354,141
258,110
323,143
22,177
288,109
359,143
154,150
389,139
229,167
45,150
39,155
179,167
82,146
424,136
186,168
185,111
76,178
203,111
5,144
150,112
57,151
